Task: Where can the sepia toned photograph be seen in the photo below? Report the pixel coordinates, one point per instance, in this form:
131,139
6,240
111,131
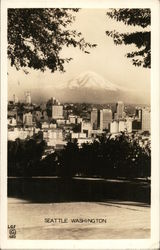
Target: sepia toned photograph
79,141
79,146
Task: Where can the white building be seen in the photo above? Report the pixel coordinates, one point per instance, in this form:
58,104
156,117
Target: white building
129,125
80,141
28,97
74,135
78,135
19,133
72,119
61,121
53,125
79,120
122,126
15,99
28,119
86,127
96,132
146,120
45,125
54,137
57,111
114,127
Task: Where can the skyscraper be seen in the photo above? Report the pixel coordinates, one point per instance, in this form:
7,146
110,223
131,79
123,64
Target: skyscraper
28,97
138,113
146,119
104,118
107,118
114,127
15,99
100,119
94,118
120,110
54,101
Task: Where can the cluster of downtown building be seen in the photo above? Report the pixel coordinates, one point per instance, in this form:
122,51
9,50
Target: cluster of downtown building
57,123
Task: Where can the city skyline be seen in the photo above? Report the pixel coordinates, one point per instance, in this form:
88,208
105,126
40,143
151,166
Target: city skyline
15,100
107,61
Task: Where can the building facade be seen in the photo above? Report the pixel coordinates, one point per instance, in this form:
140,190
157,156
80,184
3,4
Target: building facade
100,119
94,118
119,110
107,118
28,97
146,120
57,111
27,119
15,99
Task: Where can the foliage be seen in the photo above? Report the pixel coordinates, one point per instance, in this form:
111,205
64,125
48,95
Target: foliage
106,157
69,160
36,38
23,156
47,166
141,39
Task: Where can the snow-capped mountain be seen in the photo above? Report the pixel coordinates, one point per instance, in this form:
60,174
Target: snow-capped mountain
91,80
92,88
89,87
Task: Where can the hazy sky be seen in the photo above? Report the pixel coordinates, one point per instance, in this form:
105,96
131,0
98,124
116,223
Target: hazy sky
107,60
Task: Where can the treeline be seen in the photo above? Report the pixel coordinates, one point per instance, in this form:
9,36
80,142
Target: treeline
106,157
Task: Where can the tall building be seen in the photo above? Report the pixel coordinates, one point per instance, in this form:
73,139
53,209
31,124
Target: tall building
100,119
28,97
57,111
138,113
107,118
114,127
104,118
120,110
54,101
15,99
86,127
129,125
27,119
122,126
94,118
146,119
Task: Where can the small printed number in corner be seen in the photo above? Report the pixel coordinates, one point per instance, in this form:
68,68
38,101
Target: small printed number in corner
12,231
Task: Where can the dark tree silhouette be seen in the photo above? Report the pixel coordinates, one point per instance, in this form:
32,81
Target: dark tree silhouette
24,156
69,160
141,39
106,157
47,166
37,36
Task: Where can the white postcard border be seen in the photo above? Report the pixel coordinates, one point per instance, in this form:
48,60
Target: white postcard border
155,141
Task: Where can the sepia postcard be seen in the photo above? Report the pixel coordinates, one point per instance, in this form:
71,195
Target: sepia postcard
80,124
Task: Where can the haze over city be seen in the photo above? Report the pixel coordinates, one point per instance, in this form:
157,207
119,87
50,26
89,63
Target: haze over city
106,67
